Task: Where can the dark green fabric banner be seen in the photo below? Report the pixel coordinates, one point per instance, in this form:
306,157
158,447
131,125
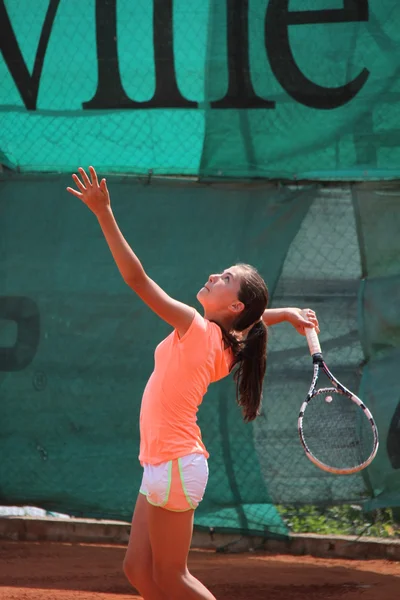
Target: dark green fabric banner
306,89
76,345
378,213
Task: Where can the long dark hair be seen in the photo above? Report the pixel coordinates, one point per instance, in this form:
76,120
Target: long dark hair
250,353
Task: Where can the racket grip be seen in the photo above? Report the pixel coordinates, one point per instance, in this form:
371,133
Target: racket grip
313,341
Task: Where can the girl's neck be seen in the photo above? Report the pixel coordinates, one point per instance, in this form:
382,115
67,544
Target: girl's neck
224,321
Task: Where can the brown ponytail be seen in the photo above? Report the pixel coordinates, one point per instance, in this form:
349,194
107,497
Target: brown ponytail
249,376
250,353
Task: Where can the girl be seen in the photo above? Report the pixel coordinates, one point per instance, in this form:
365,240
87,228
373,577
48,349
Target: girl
200,350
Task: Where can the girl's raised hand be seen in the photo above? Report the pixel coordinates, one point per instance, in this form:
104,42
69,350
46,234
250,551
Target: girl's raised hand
93,194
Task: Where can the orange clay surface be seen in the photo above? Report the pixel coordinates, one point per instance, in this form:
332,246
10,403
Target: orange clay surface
55,571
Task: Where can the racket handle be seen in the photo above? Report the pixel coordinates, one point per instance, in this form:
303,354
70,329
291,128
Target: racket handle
313,341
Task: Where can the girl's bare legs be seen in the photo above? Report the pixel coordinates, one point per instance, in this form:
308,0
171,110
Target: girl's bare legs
138,562
170,538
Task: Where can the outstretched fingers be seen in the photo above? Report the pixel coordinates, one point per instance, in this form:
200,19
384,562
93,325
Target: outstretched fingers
83,185
92,193
74,192
85,178
78,182
94,176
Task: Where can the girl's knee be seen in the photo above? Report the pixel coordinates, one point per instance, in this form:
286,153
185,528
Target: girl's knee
125,566
128,570
137,574
167,578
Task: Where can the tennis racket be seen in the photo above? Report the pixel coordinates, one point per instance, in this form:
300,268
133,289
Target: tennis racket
336,429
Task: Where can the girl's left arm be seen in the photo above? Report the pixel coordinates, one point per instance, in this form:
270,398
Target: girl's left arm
299,318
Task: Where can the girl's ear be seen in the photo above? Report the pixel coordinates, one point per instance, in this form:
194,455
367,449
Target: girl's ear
236,307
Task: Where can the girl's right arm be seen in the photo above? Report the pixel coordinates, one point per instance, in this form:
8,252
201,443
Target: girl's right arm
295,316
97,198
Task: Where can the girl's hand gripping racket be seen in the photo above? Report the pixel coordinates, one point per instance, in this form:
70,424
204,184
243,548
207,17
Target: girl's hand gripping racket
337,430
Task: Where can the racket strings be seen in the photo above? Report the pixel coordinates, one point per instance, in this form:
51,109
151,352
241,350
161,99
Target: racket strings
337,431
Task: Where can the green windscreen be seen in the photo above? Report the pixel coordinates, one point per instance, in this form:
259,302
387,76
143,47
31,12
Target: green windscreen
76,344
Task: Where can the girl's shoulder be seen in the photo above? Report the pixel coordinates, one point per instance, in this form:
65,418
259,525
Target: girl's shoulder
202,330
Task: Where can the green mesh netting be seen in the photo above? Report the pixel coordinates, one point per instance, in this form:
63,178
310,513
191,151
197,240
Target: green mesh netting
76,345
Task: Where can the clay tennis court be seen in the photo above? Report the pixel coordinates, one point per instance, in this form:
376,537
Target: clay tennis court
60,571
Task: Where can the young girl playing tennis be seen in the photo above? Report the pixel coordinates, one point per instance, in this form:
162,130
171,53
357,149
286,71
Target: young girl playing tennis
200,350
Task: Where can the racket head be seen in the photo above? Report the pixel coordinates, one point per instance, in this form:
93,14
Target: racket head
337,431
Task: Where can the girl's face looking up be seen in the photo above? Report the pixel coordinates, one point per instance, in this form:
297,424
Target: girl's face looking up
220,293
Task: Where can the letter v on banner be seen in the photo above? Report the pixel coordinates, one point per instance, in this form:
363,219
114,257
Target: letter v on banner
27,84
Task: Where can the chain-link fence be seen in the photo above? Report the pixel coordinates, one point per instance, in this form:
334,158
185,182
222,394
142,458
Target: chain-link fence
76,397
322,270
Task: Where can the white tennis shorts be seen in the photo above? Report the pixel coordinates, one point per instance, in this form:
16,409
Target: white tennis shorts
176,485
